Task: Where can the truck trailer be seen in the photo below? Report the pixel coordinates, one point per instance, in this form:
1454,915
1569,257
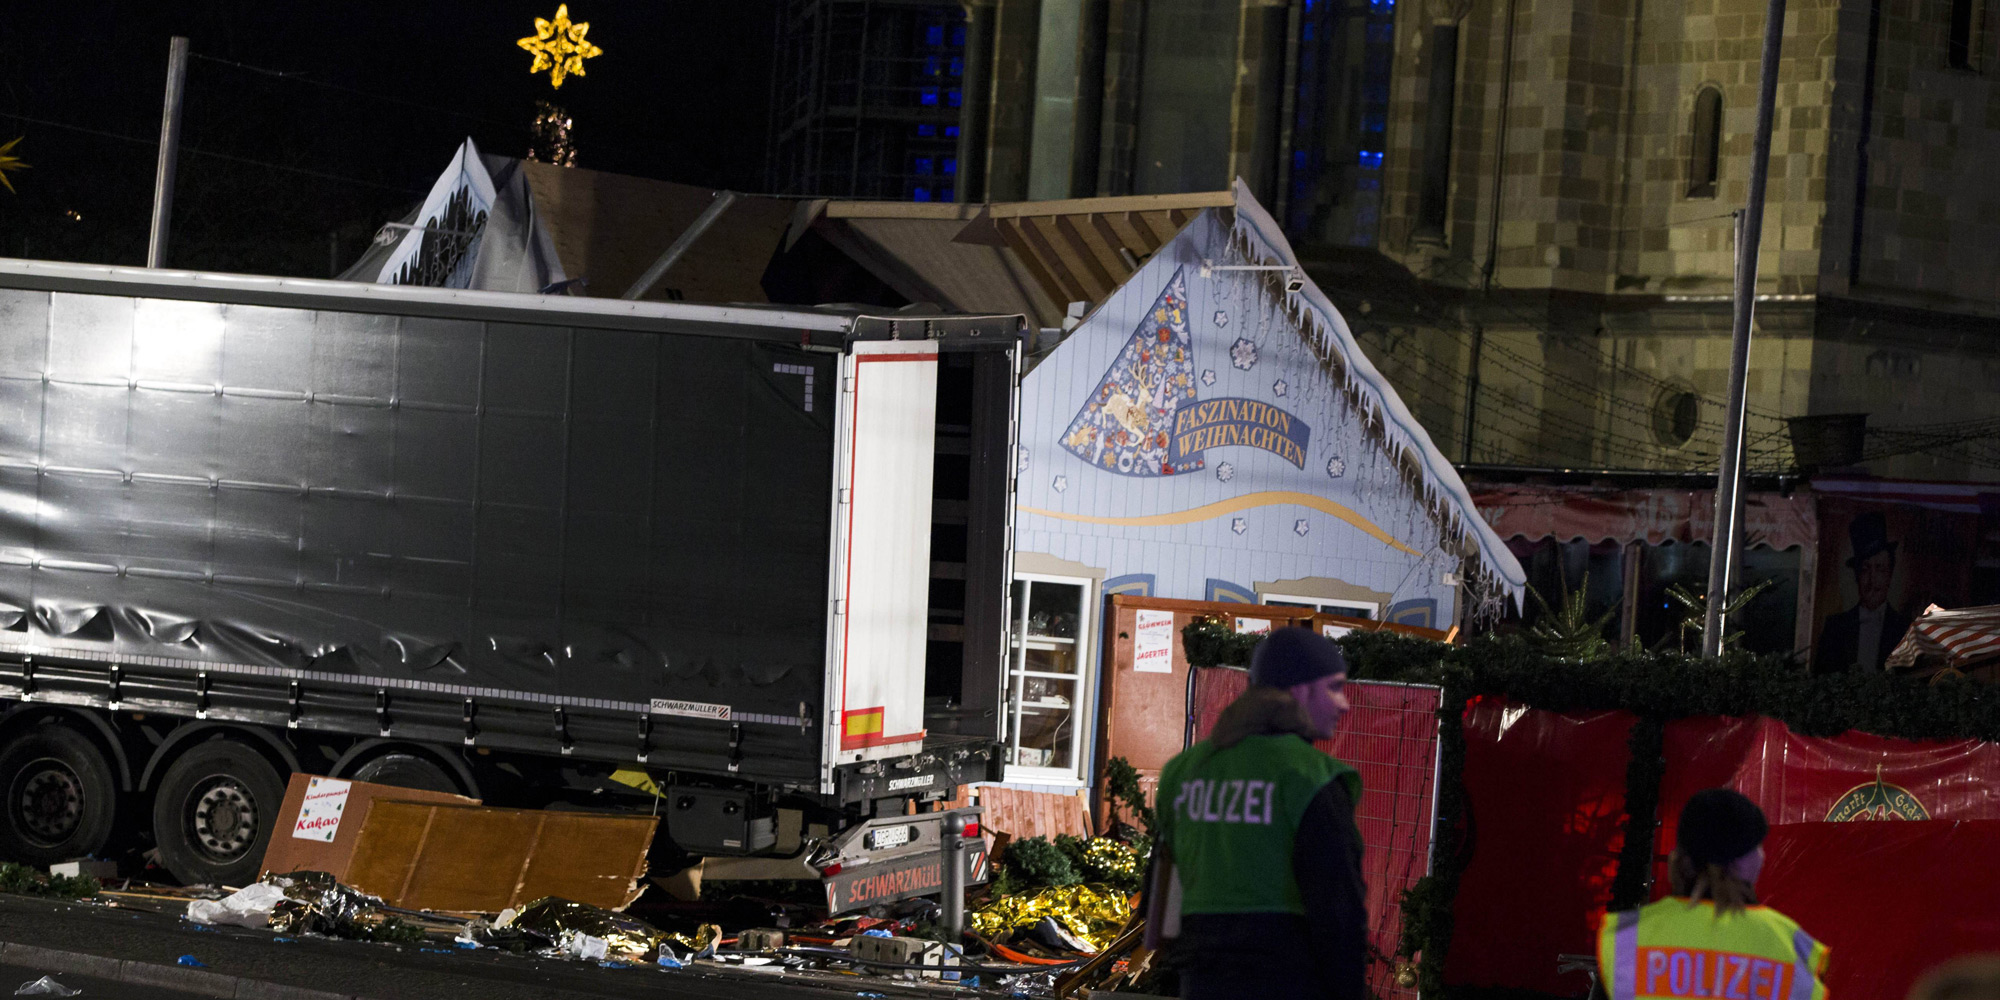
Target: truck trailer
745,567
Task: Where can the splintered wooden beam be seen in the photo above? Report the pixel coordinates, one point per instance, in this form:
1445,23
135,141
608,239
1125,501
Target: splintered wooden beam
1010,230
1083,231
1076,256
1113,241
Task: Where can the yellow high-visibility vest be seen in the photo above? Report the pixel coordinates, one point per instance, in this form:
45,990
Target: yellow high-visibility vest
1674,948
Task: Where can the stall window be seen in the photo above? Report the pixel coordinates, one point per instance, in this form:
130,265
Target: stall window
1323,605
1049,679
1558,569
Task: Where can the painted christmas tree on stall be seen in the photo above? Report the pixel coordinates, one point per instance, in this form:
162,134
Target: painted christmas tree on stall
1126,425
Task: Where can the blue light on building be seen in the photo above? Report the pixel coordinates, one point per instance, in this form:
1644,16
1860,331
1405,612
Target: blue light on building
1371,160
953,97
951,131
927,130
921,194
928,97
950,165
924,164
934,35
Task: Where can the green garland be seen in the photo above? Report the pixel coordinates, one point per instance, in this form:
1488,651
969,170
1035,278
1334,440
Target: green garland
1643,771
1657,687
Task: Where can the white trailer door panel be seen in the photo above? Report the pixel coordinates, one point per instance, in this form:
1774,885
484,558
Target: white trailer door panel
882,538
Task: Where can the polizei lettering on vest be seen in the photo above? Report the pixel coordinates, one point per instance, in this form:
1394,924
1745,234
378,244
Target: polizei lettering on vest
1712,975
1245,801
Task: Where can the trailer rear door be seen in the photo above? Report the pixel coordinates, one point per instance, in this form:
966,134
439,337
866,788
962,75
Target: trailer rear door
882,545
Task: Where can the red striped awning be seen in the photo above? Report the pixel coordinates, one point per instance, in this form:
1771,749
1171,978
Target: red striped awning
1957,638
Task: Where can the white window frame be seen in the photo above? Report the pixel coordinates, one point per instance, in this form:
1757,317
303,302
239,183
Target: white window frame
1082,707
1326,605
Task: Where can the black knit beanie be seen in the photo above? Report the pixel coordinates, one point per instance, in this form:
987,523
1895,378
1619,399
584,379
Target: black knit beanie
1292,656
1719,825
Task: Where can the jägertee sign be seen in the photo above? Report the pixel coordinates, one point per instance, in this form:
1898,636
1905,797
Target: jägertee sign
1153,642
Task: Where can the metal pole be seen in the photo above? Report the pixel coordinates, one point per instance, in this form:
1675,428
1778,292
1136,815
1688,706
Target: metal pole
952,917
1750,231
170,147
1492,239
1472,363
723,199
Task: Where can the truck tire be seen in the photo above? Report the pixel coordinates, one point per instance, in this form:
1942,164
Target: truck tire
408,770
213,812
61,799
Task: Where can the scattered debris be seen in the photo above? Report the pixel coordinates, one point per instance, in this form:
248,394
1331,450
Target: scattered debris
594,933
25,881
1059,916
45,987
316,903
99,870
249,906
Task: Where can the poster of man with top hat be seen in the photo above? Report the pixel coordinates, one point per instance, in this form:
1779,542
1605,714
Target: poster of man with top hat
1878,563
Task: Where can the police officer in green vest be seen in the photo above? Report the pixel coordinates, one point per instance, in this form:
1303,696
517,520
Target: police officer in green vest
1257,837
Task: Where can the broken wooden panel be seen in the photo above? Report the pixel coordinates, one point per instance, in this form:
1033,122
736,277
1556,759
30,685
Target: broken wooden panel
428,856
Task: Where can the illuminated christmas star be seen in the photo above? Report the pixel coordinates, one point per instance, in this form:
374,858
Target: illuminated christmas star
560,46
8,162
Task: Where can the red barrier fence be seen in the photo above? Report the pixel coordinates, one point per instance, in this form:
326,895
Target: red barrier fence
1805,779
1546,823
1391,737
1892,900
1544,828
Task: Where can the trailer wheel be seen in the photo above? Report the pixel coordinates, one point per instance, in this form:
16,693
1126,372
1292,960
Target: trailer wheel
213,813
61,799
408,770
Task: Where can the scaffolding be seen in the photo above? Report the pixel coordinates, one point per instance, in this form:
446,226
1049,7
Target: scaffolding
866,98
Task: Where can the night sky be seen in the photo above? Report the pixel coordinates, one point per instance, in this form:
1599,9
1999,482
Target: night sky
376,99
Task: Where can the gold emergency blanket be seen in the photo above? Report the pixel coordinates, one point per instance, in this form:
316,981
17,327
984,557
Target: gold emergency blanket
625,937
1095,913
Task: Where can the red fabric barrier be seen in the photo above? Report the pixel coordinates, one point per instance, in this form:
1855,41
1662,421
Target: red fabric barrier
1804,779
1391,738
1891,900
1546,825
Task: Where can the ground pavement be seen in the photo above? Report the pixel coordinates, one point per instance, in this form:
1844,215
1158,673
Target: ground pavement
115,953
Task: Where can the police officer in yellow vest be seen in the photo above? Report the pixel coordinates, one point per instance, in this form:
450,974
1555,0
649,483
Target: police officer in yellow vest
1259,827
1710,938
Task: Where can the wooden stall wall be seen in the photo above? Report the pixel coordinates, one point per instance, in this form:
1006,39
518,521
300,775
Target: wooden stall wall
1143,716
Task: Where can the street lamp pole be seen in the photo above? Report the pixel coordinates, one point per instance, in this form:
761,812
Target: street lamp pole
170,147
1723,542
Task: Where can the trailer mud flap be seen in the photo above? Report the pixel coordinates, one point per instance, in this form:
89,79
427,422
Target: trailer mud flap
902,878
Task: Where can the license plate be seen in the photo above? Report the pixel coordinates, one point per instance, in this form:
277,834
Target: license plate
922,875
887,837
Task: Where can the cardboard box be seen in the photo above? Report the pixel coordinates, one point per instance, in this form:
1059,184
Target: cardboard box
464,858
321,836
433,851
